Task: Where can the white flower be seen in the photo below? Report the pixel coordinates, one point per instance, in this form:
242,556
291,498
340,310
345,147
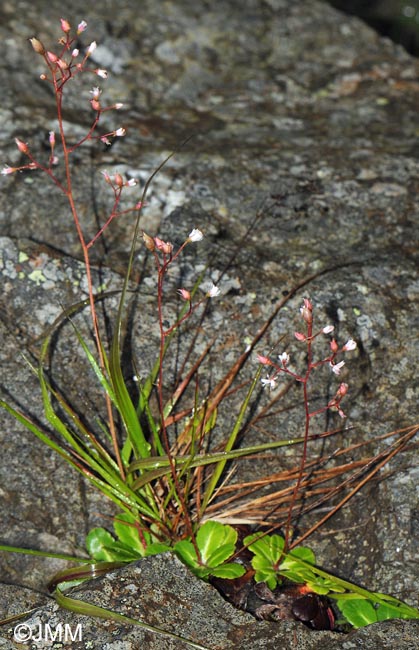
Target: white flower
195,235
95,92
337,367
213,291
349,345
118,106
91,48
119,133
269,381
284,358
101,73
328,329
81,27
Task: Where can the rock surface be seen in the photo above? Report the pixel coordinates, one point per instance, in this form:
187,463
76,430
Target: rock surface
304,126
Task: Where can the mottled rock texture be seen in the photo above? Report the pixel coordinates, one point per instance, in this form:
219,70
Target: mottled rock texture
304,138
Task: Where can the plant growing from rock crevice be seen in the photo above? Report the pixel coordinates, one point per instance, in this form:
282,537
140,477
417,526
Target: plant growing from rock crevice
159,465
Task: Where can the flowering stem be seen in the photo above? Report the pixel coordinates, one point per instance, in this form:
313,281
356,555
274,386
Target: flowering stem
307,417
68,190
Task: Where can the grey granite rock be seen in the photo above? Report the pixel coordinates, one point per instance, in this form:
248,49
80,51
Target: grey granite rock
304,126
180,611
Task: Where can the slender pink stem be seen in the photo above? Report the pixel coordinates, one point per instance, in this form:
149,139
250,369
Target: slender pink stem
307,418
68,190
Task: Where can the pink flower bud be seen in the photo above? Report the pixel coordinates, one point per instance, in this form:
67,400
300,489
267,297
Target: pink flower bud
164,247
22,146
328,329
334,346
263,360
95,104
75,53
63,65
8,170
52,139
52,57
185,294
65,25
306,314
342,390
131,183
119,181
299,336
37,46
106,177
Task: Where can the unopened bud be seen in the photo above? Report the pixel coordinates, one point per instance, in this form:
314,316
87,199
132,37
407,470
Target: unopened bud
37,45
119,181
107,177
22,146
306,311
334,346
95,104
65,25
163,246
62,64
52,57
184,293
342,390
306,314
149,242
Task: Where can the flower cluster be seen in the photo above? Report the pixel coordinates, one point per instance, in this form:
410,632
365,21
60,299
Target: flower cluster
61,68
155,245
282,366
